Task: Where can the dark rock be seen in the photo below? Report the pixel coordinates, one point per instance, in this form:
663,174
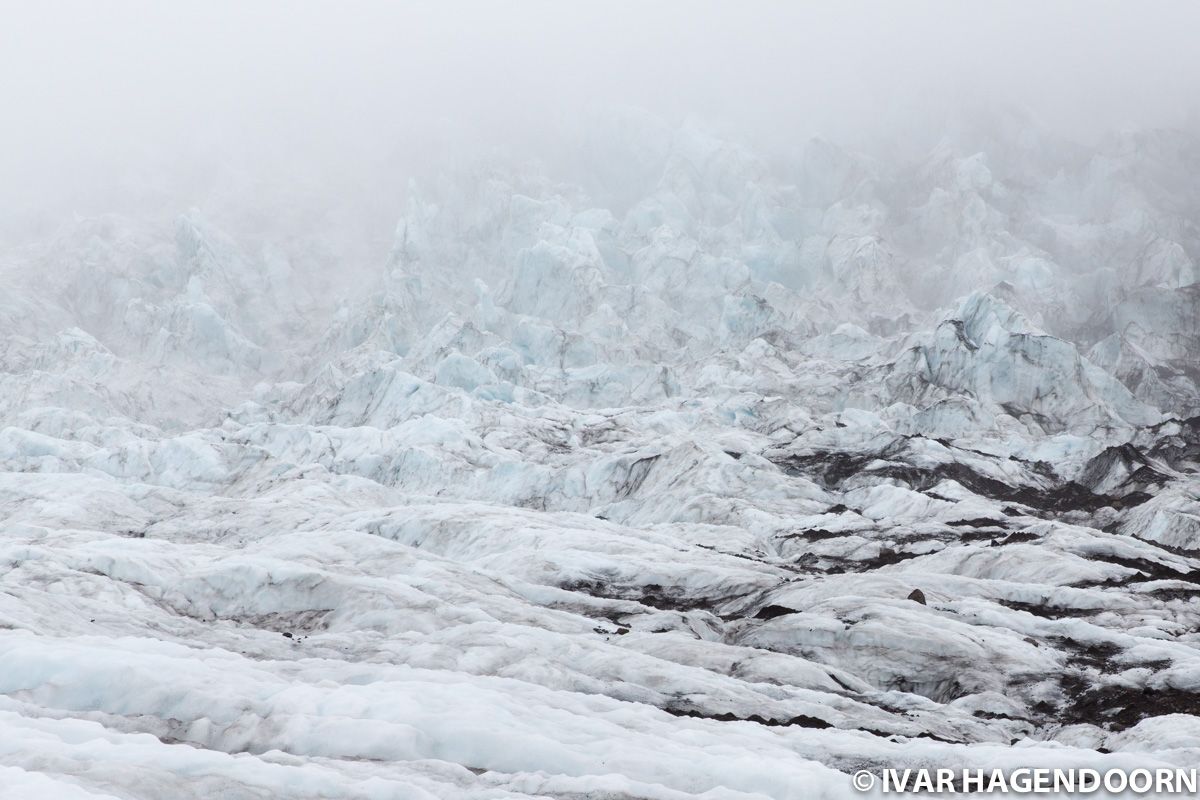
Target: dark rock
801,720
1015,538
773,611
977,522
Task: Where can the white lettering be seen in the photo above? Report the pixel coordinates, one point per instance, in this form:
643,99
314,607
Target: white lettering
894,781
1115,781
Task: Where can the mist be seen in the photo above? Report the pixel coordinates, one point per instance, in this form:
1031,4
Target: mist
143,106
665,400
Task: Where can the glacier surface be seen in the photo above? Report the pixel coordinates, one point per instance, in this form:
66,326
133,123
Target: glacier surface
750,473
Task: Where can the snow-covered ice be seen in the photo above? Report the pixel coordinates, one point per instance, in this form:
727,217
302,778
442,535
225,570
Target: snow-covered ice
763,476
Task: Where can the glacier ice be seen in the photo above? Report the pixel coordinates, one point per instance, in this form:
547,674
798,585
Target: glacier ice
613,498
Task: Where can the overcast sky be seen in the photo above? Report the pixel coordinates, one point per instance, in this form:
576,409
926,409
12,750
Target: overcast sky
94,92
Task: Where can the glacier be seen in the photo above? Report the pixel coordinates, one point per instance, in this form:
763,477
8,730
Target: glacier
680,471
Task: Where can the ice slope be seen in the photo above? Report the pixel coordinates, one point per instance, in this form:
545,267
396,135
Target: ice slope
686,472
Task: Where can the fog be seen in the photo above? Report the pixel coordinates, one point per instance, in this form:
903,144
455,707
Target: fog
132,106
664,399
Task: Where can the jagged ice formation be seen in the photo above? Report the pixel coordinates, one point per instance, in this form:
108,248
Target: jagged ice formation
614,480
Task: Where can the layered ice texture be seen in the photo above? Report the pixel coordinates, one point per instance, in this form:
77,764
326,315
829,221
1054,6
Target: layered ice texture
674,471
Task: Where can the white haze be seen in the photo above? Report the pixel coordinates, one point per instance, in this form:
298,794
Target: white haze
671,401
133,106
